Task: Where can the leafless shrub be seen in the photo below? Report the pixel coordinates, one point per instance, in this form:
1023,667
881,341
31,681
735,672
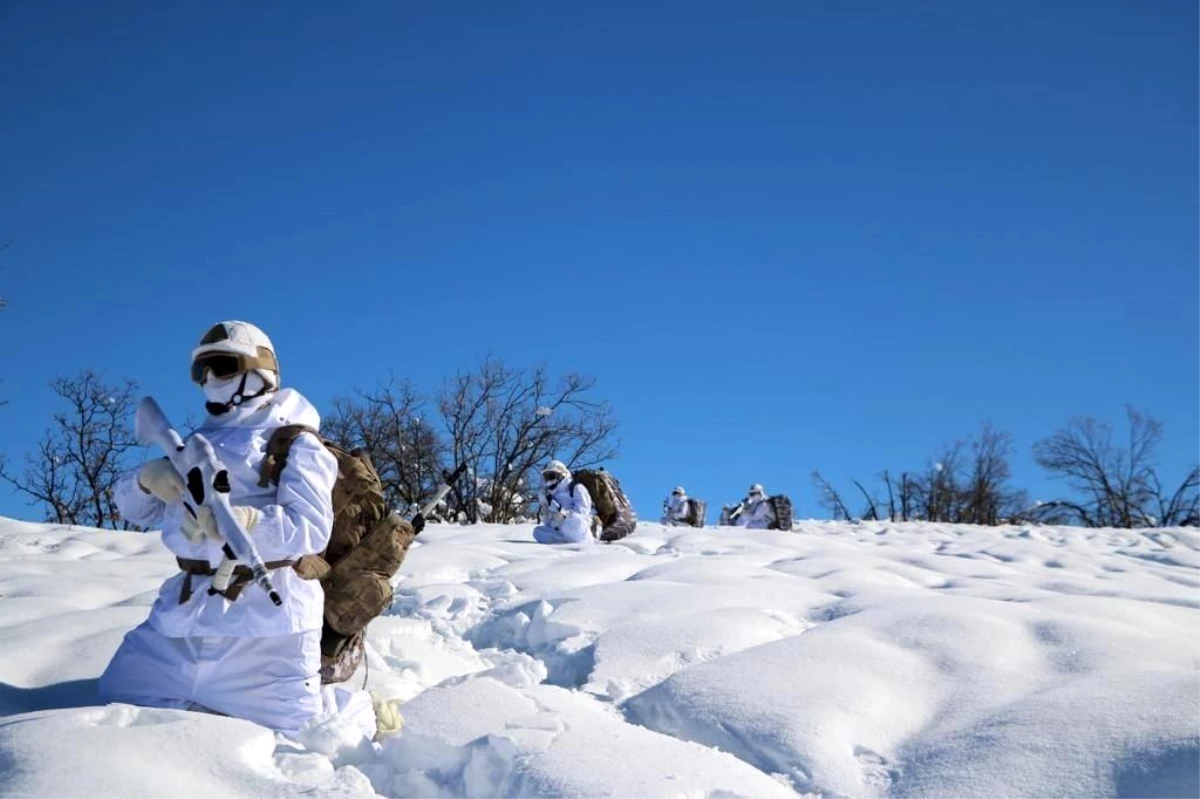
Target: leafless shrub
829,498
506,423
391,424
965,483
1115,485
73,474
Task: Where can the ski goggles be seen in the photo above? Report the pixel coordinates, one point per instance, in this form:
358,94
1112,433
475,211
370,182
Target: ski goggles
223,365
677,493
756,493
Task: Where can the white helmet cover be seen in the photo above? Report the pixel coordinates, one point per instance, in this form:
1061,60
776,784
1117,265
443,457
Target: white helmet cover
243,340
556,467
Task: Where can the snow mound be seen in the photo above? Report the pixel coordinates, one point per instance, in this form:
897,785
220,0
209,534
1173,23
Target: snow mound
866,660
483,738
121,750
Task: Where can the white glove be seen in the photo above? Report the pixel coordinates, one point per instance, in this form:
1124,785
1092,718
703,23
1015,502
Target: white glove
388,720
204,525
158,477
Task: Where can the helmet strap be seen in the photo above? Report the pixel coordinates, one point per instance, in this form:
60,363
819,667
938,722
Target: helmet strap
239,397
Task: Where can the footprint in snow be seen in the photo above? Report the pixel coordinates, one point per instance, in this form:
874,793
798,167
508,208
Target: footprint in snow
877,770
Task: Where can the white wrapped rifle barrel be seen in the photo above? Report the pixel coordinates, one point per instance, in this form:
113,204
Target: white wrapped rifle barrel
207,484
448,481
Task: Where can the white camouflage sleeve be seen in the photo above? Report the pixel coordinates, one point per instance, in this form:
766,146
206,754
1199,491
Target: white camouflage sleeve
135,505
301,520
581,501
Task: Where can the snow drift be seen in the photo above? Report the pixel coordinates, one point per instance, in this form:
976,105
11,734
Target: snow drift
837,660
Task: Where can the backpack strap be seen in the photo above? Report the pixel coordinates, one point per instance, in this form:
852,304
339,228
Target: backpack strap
278,447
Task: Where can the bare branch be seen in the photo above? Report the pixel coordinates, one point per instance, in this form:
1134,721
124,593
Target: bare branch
74,472
1117,486
829,498
872,511
505,423
953,487
390,425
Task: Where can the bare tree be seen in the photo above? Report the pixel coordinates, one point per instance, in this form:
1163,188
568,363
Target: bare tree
390,423
887,482
871,509
505,423
986,496
954,487
937,490
1116,485
902,491
74,472
1182,508
829,498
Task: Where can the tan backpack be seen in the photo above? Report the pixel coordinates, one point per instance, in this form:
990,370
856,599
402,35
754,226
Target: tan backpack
365,550
609,502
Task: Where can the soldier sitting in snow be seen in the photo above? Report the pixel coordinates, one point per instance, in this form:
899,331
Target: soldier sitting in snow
566,516
677,509
757,512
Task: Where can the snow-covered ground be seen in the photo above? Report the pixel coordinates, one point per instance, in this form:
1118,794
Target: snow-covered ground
838,660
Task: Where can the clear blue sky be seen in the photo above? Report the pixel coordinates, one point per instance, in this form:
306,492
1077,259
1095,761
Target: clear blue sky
782,235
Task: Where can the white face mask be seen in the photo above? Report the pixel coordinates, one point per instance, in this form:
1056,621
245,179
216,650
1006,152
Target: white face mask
219,391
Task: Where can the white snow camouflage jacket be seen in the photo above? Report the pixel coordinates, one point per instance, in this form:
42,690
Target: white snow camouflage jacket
677,509
296,520
577,503
756,515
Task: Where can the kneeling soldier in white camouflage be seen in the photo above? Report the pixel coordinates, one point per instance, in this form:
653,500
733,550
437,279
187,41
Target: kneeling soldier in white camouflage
234,652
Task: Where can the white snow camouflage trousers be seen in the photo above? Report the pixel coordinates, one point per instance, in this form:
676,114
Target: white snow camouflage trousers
264,680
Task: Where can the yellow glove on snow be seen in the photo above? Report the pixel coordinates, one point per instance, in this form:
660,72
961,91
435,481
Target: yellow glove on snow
388,720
